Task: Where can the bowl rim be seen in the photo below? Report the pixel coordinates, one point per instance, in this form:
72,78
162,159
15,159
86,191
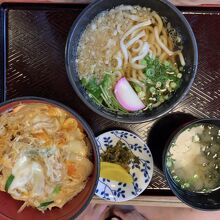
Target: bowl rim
89,133
111,116
172,184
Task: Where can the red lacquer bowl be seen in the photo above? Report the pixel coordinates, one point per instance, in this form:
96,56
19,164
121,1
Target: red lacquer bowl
10,206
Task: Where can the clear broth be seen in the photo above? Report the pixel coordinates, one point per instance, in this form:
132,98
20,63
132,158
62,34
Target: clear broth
194,158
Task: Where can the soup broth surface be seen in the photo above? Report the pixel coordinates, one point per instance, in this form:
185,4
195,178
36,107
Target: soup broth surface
194,158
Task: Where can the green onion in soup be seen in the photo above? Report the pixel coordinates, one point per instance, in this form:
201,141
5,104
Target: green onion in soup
194,158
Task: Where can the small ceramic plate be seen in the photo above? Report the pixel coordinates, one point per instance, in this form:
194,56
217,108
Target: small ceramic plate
141,174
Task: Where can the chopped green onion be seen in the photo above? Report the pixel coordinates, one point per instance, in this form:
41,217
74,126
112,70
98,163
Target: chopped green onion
152,90
158,84
181,68
186,185
9,182
179,75
176,178
169,162
45,204
173,85
57,189
149,81
166,97
150,72
161,99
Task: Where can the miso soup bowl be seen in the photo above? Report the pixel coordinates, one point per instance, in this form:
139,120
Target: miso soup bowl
198,200
10,206
177,20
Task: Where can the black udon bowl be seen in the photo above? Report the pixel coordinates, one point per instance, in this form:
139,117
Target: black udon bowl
202,201
177,20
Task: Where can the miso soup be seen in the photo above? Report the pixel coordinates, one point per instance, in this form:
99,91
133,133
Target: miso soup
194,158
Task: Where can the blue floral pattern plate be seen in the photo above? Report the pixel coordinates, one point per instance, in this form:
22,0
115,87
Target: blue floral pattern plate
141,173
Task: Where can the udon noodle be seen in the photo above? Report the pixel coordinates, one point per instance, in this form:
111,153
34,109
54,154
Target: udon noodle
44,155
118,42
